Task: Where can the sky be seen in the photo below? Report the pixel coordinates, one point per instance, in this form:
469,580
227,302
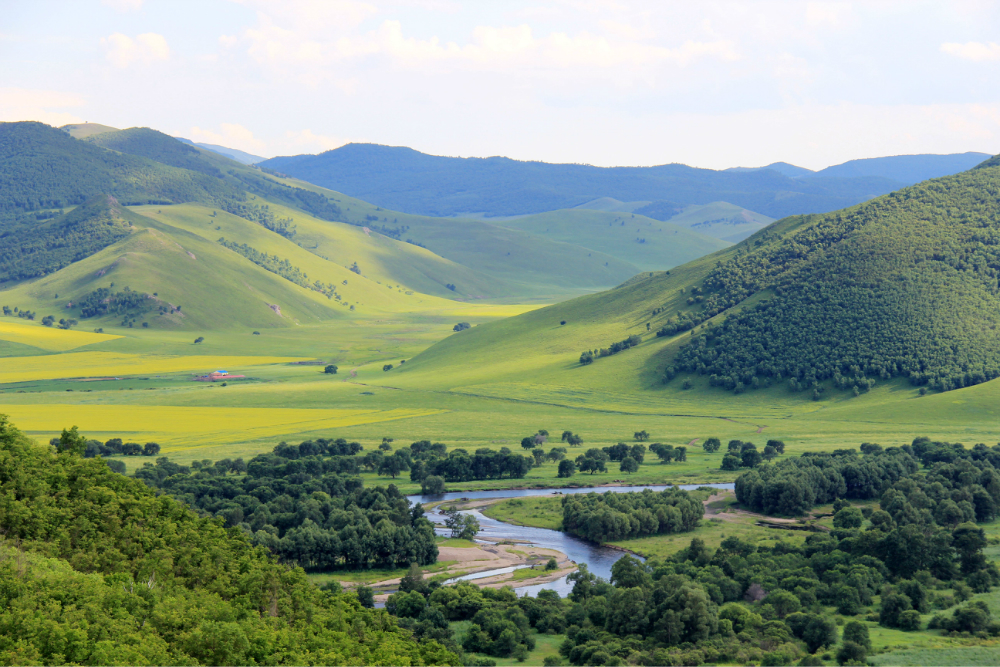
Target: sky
604,82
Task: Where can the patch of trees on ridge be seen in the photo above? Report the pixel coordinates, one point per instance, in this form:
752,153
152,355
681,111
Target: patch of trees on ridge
304,504
587,356
280,267
905,285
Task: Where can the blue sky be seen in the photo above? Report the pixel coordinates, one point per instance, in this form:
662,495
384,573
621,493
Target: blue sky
711,84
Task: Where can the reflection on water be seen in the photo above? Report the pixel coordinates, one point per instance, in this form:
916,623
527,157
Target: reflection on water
599,559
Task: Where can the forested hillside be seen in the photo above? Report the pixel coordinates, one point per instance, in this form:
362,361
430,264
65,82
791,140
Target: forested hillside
45,168
96,569
29,248
406,180
907,285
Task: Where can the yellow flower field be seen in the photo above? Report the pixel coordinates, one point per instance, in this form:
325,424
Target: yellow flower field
49,338
180,428
113,364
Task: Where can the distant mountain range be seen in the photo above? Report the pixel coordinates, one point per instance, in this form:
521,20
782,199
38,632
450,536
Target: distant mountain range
406,180
232,153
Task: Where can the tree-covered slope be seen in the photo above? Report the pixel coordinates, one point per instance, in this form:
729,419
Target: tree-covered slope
29,249
45,168
906,285
149,143
97,569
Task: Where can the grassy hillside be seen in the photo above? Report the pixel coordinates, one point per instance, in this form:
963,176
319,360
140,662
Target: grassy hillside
645,243
84,130
903,286
518,264
720,220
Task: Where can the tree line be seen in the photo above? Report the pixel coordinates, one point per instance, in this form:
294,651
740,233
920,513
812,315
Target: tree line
303,503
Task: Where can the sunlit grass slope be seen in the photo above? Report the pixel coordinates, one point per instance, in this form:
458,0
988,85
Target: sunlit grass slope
47,338
516,262
644,242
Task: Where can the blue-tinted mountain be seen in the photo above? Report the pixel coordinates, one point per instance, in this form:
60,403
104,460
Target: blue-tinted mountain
907,169
406,180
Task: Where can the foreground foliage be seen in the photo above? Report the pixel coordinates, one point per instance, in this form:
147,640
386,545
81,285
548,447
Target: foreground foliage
96,569
306,504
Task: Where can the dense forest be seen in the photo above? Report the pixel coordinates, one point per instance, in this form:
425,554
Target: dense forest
460,466
45,168
29,248
792,486
95,568
607,517
906,285
306,504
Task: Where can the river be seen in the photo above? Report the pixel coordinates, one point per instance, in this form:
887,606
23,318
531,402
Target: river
598,559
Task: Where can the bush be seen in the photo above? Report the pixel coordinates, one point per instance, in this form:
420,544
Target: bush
909,620
851,653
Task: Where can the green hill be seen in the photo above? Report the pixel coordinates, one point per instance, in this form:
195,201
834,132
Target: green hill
44,168
645,243
904,286
98,569
720,220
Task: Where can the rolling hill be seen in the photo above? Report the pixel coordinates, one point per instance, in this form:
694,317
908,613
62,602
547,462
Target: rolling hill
906,286
650,245
407,180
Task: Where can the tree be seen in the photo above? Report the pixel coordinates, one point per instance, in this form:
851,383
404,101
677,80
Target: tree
852,653
389,466
784,602
566,435
432,485
366,596
71,442
150,449
528,443
770,453
131,449
551,565
628,465
778,445
413,580
586,357
641,435
48,320
847,518
566,468
199,339
387,367
820,631
711,445
731,462
461,326
539,455
462,526
556,454
330,369
857,632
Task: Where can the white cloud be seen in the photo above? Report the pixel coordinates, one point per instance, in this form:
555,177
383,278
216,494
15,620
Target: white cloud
123,5
231,135
46,106
308,141
122,51
832,14
974,51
